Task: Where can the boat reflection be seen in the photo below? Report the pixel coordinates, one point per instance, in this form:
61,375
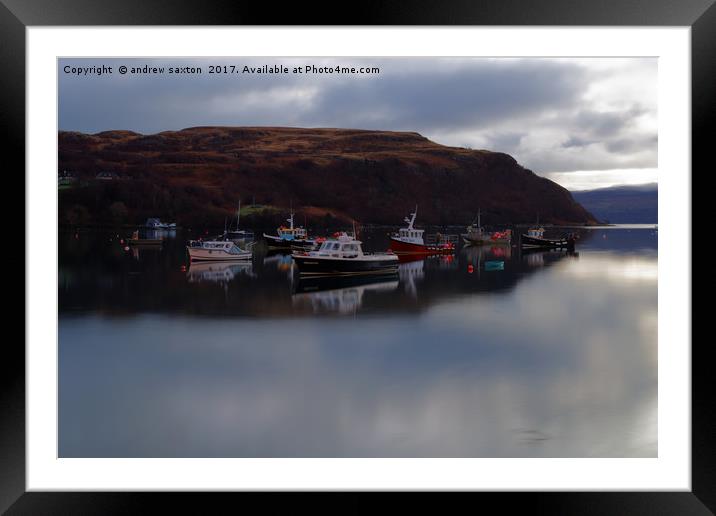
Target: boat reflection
541,257
339,295
159,233
410,271
217,272
138,250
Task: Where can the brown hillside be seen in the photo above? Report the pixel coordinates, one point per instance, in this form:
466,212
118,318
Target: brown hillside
197,175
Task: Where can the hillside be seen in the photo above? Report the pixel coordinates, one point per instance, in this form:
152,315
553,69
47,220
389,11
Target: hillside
196,177
622,204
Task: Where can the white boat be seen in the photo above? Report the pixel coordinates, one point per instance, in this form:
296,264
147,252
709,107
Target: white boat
343,255
216,250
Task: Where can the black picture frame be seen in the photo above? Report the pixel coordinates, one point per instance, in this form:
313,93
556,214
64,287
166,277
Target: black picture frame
16,15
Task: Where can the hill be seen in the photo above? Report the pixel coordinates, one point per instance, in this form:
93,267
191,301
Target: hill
622,204
196,177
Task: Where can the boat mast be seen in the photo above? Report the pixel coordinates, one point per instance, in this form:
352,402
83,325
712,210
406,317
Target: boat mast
290,220
238,215
411,220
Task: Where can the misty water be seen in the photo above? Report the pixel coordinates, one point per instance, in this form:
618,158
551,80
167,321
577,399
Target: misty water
491,352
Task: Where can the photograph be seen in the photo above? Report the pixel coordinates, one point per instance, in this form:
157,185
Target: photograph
357,257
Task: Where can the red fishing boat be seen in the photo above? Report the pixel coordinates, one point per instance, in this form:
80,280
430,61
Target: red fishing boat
409,241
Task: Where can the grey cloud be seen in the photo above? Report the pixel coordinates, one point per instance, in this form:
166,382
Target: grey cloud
502,141
632,144
576,141
600,124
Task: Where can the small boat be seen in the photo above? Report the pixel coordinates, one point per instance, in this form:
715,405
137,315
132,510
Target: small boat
343,255
409,240
476,235
216,250
238,234
136,241
534,239
290,238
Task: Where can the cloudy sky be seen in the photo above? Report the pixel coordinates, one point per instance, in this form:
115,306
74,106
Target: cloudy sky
584,123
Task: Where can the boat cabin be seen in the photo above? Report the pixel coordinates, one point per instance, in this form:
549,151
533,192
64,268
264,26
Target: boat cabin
213,245
409,234
475,231
535,232
291,232
343,246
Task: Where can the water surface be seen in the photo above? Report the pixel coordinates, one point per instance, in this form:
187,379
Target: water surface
548,354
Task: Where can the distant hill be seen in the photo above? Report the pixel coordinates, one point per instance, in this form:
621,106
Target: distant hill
196,177
622,204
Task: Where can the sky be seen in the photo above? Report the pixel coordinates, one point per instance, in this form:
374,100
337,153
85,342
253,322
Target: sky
582,122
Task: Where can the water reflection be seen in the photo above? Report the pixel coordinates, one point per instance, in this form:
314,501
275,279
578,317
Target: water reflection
217,272
340,295
555,355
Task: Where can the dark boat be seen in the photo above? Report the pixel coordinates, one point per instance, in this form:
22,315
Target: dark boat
534,239
343,255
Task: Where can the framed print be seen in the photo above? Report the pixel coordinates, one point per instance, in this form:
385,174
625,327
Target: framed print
417,253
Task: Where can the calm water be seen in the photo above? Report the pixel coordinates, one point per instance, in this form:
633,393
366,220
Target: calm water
555,355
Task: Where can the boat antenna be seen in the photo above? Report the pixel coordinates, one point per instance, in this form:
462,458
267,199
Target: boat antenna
411,220
290,219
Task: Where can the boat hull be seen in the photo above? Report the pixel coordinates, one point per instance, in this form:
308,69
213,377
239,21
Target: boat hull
318,265
546,243
485,241
400,247
199,254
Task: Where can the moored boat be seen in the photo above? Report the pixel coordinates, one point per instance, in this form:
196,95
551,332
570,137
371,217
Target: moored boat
534,238
289,238
343,255
476,235
409,240
216,250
